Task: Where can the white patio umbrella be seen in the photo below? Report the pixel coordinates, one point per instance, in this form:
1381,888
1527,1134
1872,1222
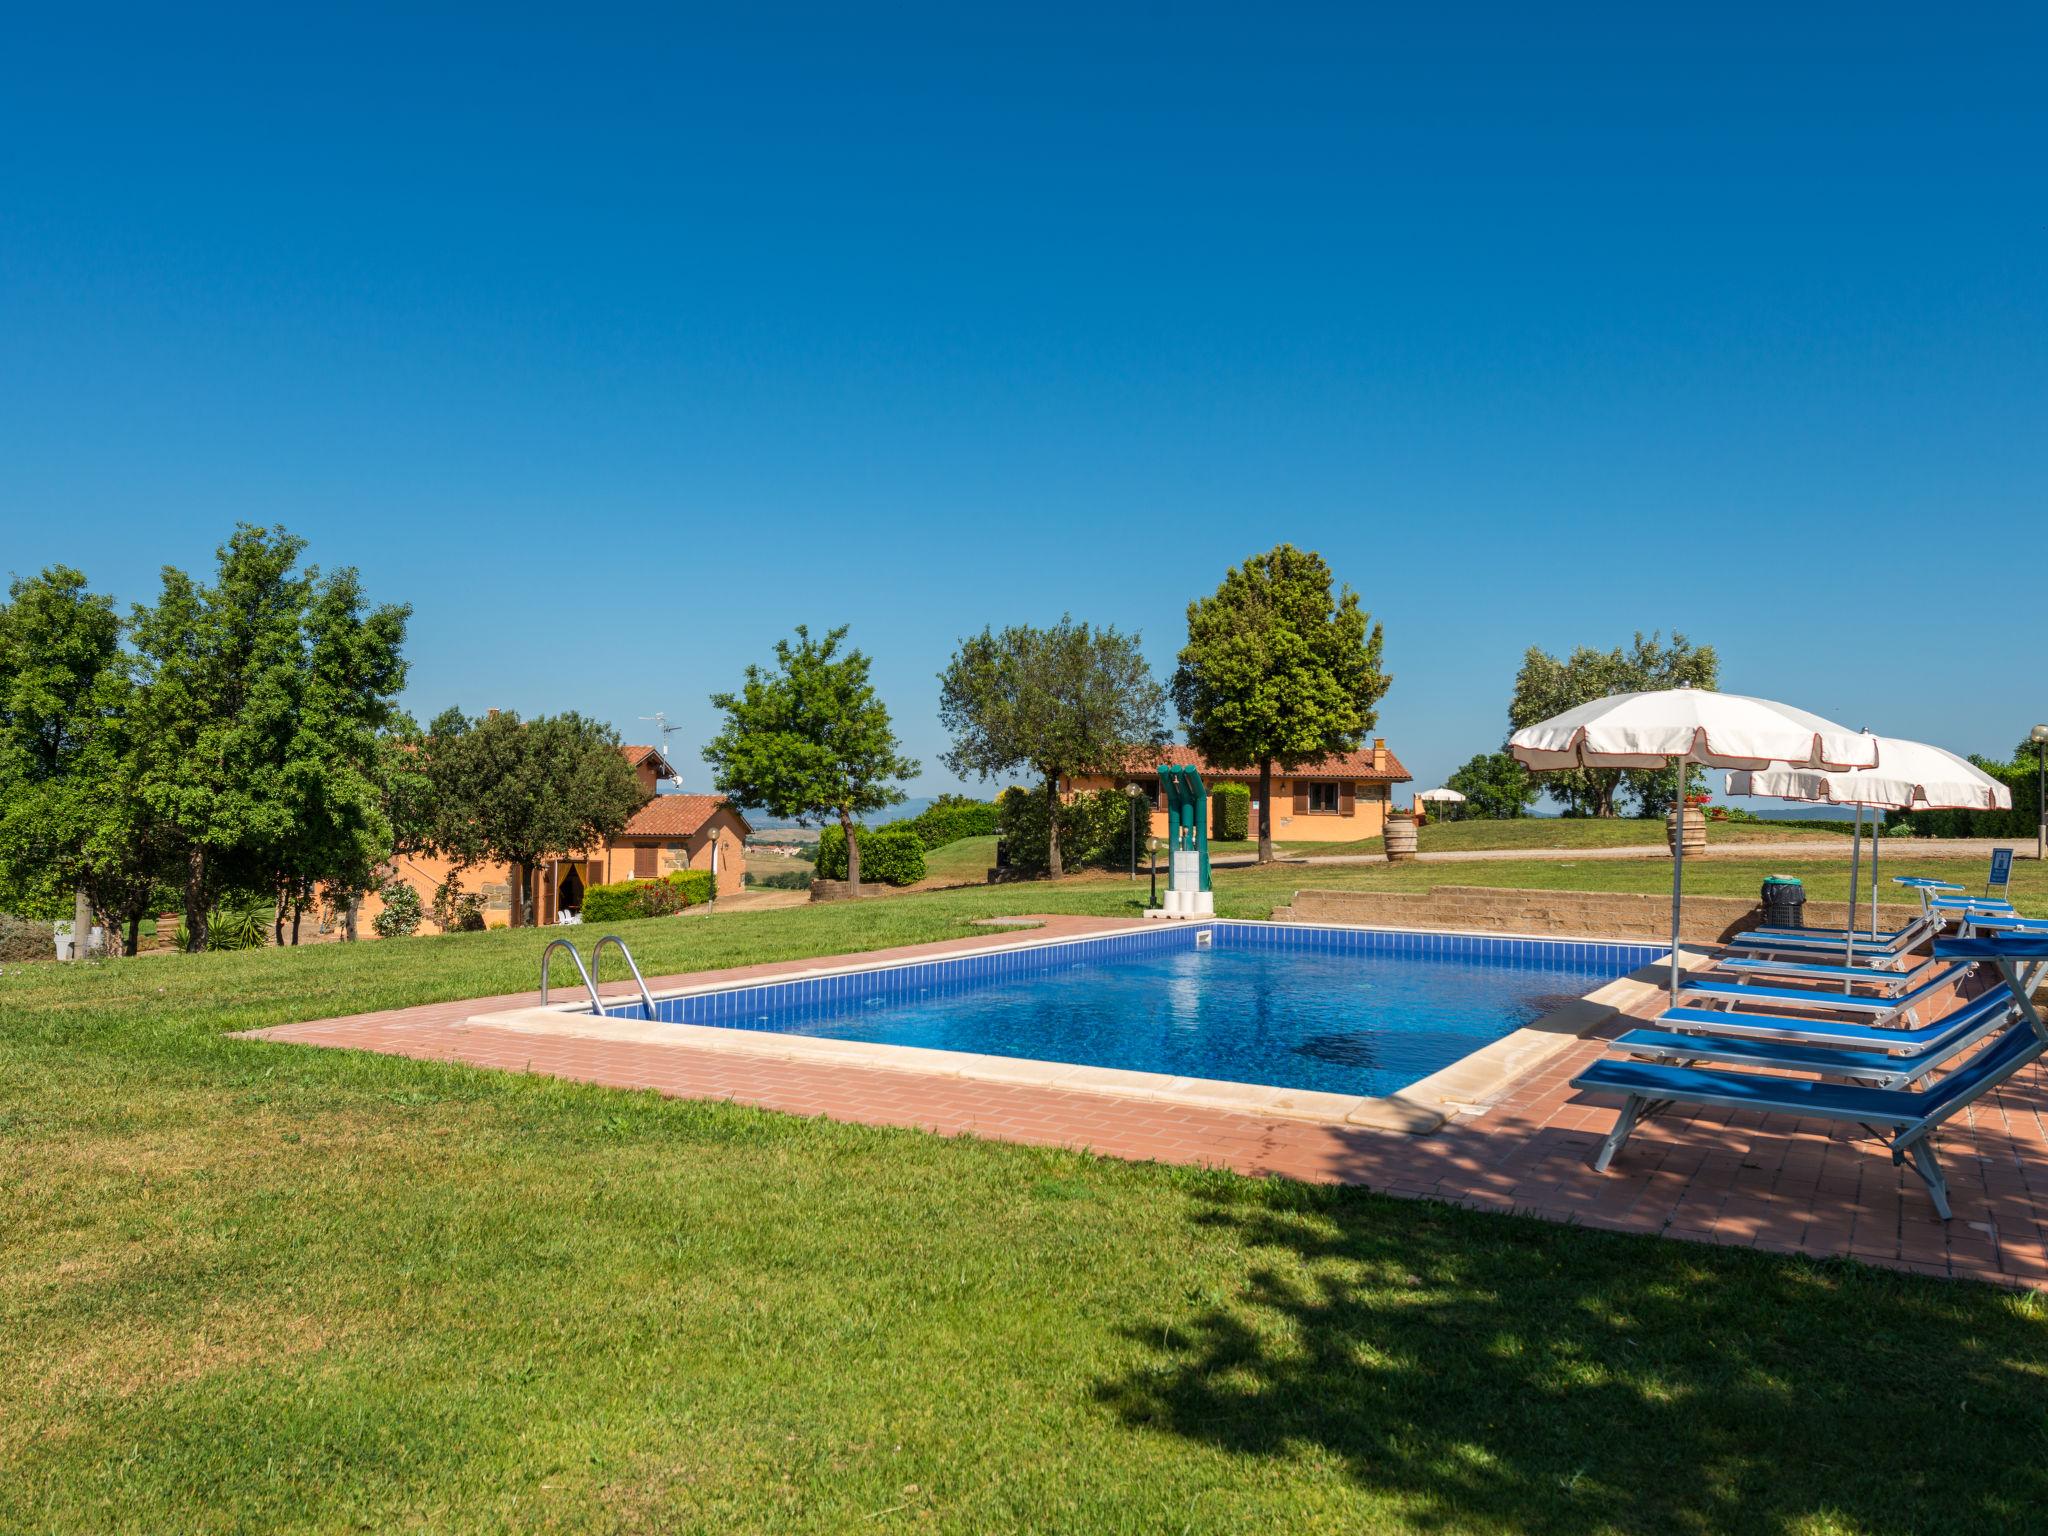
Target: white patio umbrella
1685,726
1441,796
1909,776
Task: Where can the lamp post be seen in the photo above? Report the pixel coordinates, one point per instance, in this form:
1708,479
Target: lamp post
1132,794
2039,737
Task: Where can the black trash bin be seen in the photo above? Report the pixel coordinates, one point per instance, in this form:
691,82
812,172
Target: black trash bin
1784,900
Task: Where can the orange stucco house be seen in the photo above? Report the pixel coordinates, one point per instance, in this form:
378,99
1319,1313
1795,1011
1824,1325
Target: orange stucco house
668,833
1335,800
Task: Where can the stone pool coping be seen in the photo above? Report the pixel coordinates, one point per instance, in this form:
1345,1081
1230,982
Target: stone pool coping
1469,1085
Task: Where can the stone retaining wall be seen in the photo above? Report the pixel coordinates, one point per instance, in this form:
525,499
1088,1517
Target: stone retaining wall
1575,914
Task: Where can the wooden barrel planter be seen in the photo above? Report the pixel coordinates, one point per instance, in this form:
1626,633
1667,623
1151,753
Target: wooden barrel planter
1695,833
1400,837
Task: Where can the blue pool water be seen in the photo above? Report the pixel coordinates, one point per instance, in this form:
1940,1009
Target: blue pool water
1340,1010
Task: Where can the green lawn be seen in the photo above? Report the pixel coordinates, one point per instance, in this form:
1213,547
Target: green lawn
1561,832
248,1287
965,862
1825,877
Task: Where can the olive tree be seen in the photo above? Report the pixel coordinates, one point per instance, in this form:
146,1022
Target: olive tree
1055,701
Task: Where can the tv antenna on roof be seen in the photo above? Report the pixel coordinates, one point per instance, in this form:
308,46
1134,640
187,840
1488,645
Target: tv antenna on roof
660,723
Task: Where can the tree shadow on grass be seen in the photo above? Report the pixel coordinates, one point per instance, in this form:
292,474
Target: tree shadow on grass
1495,1372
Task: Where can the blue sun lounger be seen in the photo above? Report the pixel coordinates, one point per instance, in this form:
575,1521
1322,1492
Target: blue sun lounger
1882,971
1904,1118
1883,1006
2021,958
1792,942
1978,923
1801,1030
1854,1051
1942,897
1909,1116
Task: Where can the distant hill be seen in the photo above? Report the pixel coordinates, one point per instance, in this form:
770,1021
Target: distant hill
763,822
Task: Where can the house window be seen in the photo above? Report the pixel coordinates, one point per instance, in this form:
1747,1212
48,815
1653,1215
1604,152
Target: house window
644,856
1322,798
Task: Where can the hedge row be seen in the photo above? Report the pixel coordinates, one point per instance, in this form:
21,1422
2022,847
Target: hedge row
891,855
948,819
1095,830
624,900
2019,776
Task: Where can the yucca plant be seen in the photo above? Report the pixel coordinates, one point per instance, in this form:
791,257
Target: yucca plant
230,928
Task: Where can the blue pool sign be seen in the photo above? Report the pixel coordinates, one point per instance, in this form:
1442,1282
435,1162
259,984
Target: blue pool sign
2001,869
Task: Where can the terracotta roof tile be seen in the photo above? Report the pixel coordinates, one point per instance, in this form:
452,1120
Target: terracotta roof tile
679,815
636,755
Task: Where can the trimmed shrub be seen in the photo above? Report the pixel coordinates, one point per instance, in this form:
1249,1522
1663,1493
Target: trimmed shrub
948,819
892,855
1230,816
624,901
400,918
26,938
1095,830
457,910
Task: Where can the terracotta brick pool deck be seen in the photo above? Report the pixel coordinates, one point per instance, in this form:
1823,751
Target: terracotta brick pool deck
1739,1179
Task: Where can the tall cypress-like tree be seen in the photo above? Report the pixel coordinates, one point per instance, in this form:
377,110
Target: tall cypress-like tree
1279,670
810,739
1056,701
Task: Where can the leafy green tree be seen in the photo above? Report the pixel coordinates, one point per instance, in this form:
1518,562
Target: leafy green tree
64,699
810,739
258,707
1496,787
222,675
1056,701
338,830
519,792
1546,686
1278,669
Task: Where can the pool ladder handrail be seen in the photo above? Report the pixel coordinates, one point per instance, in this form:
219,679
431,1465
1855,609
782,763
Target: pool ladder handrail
640,981
575,959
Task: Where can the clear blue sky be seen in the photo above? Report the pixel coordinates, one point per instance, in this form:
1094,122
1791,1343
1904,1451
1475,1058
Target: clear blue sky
618,343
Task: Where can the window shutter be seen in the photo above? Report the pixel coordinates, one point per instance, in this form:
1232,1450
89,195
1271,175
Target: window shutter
644,855
1347,801
1301,797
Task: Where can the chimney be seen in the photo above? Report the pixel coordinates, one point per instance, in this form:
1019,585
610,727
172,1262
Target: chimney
1379,754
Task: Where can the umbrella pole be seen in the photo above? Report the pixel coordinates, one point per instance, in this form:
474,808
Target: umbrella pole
1855,874
1876,831
1677,869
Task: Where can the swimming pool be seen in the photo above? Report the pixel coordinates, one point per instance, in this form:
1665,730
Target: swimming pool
1361,1012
